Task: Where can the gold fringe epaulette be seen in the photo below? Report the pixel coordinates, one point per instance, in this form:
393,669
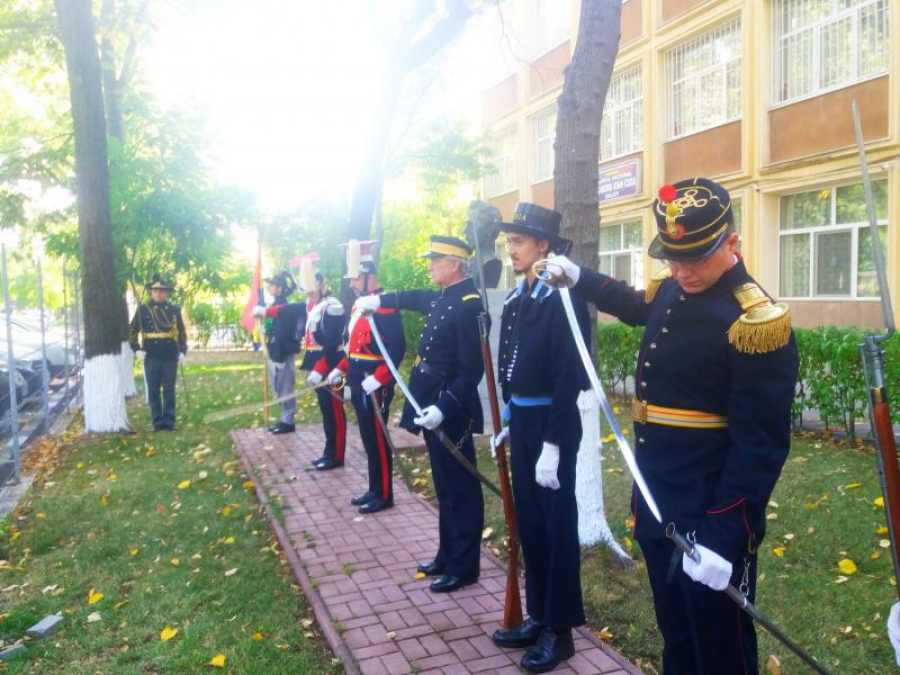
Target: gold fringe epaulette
655,282
765,325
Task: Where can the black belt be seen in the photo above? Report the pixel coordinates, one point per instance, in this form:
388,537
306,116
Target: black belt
428,369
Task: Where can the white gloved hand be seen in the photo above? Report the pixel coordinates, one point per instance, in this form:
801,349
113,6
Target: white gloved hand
547,464
141,354
712,570
181,358
498,440
314,378
370,384
335,377
893,626
559,265
430,418
259,311
368,303
348,394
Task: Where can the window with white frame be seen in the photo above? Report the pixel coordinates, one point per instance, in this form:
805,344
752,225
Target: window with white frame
622,131
543,132
503,177
704,81
621,253
550,27
825,242
828,44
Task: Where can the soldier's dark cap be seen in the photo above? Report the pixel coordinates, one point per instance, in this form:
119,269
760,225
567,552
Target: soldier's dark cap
444,246
158,284
540,223
282,280
692,220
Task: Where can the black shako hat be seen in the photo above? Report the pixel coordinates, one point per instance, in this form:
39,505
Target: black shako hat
444,246
284,280
157,284
540,223
692,219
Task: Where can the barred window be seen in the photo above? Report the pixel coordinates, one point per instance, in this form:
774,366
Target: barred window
622,131
504,159
704,81
828,44
543,132
826,244
550,27
621,254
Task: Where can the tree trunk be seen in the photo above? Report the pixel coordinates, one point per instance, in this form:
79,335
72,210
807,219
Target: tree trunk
577,156
104,400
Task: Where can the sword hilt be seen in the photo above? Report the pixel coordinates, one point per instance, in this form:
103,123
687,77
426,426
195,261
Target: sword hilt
682,543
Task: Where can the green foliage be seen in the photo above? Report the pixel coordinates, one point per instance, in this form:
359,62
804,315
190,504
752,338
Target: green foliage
617,351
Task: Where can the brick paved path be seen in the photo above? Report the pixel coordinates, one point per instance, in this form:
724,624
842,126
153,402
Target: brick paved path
358,571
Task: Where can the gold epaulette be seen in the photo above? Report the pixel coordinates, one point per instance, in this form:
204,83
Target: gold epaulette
765,325
655,282
471,296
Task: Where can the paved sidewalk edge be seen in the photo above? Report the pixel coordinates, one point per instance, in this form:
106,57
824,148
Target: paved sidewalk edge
335,641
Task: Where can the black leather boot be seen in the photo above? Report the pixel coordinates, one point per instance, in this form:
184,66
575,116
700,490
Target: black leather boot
552,648
363,498
516,638
375,505
430,569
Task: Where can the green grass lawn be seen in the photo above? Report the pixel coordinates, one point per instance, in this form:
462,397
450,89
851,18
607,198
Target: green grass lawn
165,528
821,513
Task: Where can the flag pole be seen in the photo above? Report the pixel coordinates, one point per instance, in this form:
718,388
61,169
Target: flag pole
261,329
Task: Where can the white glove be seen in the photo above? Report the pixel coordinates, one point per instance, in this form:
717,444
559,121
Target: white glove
430,418
368,303
498,440
712,570
559,265
314,378
259,311
370,384
141,354
547,464
893,626
181,358
348,394
335,377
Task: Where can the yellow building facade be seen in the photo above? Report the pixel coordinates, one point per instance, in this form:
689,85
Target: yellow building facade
753,93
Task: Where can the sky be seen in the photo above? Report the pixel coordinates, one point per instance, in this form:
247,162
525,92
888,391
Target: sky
286,86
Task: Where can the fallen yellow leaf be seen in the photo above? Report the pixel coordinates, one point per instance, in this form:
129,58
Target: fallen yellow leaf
881,530
248,484
420,575
779,551
184,485
40,515
258,637
847,566
218,661
226,511
231,572
80,465
120,605
15,535
229,540
604,634
851,486
879,501
134,551
168,633
94,597
876,555
175,561
103,500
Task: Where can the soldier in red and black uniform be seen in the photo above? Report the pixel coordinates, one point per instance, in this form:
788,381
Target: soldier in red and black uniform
370,381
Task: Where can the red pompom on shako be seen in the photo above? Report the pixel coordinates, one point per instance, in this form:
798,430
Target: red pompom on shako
667,193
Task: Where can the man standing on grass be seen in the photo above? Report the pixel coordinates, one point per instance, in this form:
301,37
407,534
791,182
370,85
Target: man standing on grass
715,380
370,381
159,340
541,375
444,380
283,344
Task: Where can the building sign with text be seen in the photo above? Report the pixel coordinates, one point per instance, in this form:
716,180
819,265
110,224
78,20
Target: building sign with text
619,181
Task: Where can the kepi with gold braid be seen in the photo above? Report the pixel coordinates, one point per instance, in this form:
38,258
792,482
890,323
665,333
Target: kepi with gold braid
692,219
765,325
441,246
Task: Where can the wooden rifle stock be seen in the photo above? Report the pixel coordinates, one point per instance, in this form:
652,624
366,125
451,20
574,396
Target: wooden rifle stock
512,608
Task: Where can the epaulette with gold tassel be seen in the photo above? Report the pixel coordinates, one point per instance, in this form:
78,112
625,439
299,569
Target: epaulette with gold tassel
765,325
655,282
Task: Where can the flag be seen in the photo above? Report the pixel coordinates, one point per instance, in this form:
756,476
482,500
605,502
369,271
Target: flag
248,321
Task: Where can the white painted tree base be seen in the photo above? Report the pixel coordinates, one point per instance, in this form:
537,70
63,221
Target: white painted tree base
592,525
104,399
128,387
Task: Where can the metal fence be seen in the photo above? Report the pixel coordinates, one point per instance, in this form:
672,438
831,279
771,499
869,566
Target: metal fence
40,364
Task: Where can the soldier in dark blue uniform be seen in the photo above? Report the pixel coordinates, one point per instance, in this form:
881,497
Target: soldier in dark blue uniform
541,375
444,381
162,349
715,379
370,381
283,344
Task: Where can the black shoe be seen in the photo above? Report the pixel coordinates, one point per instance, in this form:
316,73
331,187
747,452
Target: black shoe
430,569
326,464
375,505
363,499
283,428
516,638
551,649
317,460
274,427
447,583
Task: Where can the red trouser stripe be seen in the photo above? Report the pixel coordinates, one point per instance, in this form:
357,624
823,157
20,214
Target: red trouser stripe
340,435
382,450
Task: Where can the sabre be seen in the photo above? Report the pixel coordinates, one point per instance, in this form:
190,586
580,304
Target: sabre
540,268
467,465
253,407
